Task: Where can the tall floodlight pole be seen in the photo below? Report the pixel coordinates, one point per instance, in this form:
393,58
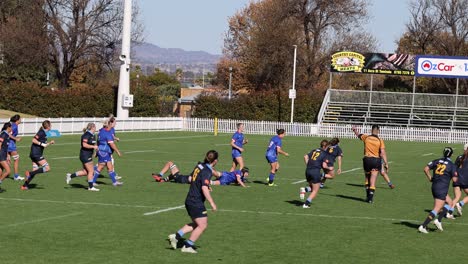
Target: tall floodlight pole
292,92
230,81
124,78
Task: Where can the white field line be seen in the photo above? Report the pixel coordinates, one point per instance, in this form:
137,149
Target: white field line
41,220
427,154
77,203
164,210
346,171
139,151
125,140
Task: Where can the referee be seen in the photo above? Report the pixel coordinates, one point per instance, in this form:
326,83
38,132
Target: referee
374,152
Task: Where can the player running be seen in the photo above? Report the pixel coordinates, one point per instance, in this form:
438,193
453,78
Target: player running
462,184
275,147
334,153
443,172
88,145
4,142
12,149
105,146
315,160
384,173
237,143
194,203
40,164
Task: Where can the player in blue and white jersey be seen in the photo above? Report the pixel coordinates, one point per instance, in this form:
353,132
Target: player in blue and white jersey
105,147
443,170
88,145
237,143
12,149
199,191
40,164
271,155
4,142
112,123
227,178
315,161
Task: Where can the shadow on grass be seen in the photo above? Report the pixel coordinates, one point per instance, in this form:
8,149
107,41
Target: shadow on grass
259,182
34,186
295,202
413,225
355,185
78,185
350,198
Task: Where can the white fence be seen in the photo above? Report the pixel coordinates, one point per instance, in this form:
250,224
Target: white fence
30,126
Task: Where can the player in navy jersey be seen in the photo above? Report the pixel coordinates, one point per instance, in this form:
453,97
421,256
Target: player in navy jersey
462,184
334,153
443,172
88,145
315,161
271,155
39,143
175,175
4,142
237,143
194,203
227,178
12,149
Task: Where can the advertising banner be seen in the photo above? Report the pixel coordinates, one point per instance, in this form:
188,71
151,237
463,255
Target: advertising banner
373,63
442,66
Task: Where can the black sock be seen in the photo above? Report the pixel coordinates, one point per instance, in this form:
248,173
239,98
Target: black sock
371,194
442,214
90,185
177,236
73,175
428,219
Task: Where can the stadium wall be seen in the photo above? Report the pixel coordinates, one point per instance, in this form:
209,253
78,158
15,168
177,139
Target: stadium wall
30,126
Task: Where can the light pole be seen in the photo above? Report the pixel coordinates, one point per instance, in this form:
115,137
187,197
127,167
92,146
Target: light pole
292,92
124,77
230,81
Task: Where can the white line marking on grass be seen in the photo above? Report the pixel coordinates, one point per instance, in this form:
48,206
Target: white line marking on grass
427,154
58,158
139,151
41,220
332,216
346,171
164,210
78,203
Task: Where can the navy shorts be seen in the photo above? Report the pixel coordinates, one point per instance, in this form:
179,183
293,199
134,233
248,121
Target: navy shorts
86,158
313,175
3,155
196,211
36,159
439,192
371,163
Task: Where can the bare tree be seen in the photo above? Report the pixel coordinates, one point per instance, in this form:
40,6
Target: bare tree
81,32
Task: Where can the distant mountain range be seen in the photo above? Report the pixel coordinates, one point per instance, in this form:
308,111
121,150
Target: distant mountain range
150,54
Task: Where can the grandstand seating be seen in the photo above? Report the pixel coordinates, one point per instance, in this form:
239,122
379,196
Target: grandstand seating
395,109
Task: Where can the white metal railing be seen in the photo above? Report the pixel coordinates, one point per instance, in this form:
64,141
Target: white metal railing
30,126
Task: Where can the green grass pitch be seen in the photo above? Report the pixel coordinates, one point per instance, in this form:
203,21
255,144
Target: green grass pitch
59,223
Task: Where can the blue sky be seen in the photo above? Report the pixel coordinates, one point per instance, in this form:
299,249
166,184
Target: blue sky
201,24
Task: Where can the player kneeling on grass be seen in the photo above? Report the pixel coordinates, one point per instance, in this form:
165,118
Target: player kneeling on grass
88,145
227,178
462,182
4,141
315,161
443,172
194,203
